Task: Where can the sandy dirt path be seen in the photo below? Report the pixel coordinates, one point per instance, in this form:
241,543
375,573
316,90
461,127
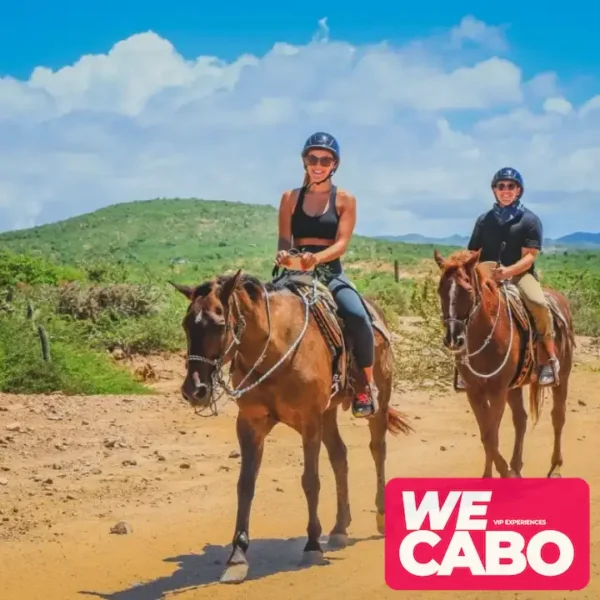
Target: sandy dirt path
70,468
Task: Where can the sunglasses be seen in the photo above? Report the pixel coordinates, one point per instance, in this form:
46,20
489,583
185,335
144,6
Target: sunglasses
506,186
324,161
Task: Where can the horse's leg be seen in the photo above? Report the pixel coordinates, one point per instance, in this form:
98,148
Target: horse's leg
251,433
312,437
519,418
338,457
492,439
559,412
378,447
480,409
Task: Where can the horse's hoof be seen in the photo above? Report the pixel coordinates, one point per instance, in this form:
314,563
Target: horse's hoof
312,558
514,475
234,573
555,475
380,520
337,540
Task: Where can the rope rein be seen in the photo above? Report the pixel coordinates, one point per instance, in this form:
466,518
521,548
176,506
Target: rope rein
237,331
469,321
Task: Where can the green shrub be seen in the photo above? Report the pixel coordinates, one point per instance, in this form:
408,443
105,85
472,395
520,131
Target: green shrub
75,368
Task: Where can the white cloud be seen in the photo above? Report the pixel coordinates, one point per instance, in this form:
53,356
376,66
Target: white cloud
477,31
422,128
558,105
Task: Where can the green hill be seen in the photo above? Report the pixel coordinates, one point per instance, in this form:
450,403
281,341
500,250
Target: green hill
97,283
193,238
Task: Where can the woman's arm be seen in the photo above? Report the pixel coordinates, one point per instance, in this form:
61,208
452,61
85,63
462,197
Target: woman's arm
284,241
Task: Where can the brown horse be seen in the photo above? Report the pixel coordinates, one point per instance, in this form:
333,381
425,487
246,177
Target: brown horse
490,332
280,338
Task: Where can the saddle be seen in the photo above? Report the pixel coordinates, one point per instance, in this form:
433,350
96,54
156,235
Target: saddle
524,321
331,325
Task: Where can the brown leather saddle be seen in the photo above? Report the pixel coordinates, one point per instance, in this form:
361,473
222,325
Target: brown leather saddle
324,311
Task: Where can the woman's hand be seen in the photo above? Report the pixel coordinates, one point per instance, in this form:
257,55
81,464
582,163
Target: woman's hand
282,258
308,260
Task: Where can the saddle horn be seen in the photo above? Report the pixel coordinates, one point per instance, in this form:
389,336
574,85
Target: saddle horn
499,261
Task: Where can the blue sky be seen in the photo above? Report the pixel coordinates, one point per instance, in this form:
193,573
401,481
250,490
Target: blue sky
423,122
542,39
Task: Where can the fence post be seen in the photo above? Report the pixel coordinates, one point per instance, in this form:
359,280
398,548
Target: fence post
396,270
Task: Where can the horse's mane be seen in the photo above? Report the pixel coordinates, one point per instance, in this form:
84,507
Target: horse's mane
252,285
458,259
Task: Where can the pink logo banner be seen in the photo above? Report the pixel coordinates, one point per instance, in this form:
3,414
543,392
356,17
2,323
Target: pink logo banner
487,534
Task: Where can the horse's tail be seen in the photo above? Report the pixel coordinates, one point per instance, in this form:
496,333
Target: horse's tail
398,422
535,401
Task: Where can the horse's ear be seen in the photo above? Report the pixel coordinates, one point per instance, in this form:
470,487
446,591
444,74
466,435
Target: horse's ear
186,290
474,258
439,259
229,286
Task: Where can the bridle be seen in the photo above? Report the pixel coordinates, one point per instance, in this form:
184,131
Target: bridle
467,322
237,330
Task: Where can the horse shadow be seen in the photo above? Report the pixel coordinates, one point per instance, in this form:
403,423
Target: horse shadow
266,557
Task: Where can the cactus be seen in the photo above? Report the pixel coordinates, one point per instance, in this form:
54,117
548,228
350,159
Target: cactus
44,342
32,315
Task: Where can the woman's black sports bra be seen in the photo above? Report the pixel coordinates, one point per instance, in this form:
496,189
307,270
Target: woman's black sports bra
322,226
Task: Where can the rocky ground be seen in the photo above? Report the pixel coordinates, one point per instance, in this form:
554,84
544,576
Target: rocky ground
133,498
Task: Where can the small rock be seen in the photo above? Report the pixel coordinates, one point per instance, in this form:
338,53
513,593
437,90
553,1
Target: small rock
129,462
121,528
3,481
13,427
581,403
443,448
185,465
234,454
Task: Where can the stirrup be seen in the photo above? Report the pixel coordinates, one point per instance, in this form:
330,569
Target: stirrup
548,373
459,383
365,404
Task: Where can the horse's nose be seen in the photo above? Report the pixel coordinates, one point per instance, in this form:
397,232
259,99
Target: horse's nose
200,391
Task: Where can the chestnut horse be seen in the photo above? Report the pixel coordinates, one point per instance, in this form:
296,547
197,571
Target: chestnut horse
490,333
280,355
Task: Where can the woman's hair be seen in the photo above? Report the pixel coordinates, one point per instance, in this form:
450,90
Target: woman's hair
306,179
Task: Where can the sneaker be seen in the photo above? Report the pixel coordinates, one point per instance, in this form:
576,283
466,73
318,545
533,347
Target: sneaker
365,403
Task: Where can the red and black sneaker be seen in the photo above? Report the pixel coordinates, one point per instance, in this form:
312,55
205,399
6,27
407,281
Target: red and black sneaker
365,403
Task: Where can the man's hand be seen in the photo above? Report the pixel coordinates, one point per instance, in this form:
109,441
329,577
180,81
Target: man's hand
502,273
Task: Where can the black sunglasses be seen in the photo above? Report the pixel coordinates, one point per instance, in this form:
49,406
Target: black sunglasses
324,161
505,186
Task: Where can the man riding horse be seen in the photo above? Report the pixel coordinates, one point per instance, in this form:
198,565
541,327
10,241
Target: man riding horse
511,223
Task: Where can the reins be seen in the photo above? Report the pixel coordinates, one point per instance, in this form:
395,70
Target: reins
237,330
467,322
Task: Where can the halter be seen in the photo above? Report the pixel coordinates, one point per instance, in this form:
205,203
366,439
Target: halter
467,322
236,332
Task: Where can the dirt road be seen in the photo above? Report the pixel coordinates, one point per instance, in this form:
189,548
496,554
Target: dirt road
71,468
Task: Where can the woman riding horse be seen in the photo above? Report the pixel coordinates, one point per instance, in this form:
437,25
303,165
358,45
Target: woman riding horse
318,220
